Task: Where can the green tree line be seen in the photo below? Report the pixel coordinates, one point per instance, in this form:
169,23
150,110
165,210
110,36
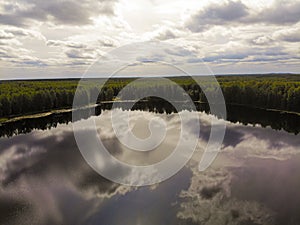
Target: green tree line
272,92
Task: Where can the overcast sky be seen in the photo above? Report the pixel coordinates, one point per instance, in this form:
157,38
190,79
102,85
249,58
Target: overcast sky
61,38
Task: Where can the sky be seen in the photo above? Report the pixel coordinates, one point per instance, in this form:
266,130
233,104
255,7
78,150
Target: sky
63,38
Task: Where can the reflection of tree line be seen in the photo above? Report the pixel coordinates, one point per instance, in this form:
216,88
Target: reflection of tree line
245,115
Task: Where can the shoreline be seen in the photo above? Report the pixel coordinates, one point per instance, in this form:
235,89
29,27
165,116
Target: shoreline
66,110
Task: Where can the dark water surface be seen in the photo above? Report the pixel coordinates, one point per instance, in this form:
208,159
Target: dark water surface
254,180
277,120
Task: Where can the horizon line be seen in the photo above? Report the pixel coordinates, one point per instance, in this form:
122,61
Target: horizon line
128,77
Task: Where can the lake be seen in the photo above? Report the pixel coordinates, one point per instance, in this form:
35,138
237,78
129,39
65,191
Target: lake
255,179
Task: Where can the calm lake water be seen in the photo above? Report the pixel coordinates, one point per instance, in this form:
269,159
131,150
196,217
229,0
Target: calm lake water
254,180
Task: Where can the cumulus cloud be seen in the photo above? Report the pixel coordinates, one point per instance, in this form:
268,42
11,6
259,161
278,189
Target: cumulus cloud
71,33
12,49
69,12
236,12
281,12
80,54
217,14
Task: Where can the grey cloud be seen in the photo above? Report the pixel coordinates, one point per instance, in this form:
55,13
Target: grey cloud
289,35
19,33
69,12
14,33
195,60
77,63
221,57
76,45
153,58
77,54
18,56
10,52
34,62
261,40
217,15
269,59
293,38
236,12
4,54
107,43
166,35
179,52
81,46
282,12
57,43
275,51
246,55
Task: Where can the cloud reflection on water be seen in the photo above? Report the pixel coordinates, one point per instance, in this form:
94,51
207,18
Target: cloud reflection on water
45,179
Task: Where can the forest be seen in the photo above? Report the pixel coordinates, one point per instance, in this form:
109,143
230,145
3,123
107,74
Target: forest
279,92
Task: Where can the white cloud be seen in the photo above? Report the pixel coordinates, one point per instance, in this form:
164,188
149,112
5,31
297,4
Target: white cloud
232,36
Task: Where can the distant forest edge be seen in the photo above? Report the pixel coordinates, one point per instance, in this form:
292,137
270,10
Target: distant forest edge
280,92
